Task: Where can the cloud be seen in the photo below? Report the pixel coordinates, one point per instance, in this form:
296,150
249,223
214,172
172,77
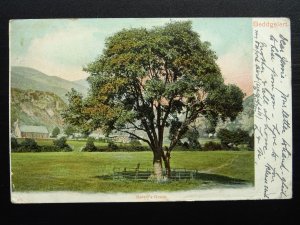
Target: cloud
62,53
63,47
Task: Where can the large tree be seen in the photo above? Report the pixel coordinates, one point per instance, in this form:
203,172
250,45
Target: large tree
148,79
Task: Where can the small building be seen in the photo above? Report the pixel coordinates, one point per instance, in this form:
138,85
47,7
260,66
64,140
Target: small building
27,131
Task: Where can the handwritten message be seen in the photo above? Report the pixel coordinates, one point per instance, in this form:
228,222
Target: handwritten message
272,108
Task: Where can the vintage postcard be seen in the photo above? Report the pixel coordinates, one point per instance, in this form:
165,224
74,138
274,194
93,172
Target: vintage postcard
150,109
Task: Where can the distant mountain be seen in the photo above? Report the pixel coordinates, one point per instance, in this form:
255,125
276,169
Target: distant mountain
27,78
82,82
36,108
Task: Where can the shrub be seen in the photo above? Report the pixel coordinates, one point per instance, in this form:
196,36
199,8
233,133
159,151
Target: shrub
29,144
135,143
69,130
55,132
195,145
251,142
185,145
14,143
212,146
90,146
230,138
193,135
49,148
61,144
112,146
135,148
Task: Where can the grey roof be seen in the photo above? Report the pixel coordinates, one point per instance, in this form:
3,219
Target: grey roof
34,129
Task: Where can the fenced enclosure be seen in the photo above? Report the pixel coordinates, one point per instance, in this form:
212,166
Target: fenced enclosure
145,174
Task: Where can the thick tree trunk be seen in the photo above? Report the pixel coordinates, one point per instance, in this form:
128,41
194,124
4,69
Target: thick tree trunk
157,165
166,159
158,157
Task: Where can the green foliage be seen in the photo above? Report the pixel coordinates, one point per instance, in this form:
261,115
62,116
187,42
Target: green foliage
245,120
175,124
55,132
236,137
29,143
14,143
193,138
90,146
112,146
251,142
61,144
212,146
135,143
150,79
69,130
227,101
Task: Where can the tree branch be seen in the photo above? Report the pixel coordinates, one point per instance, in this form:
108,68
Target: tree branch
182,129
136,127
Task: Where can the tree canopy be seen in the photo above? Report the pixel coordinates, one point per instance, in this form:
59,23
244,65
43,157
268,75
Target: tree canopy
55,132
148,79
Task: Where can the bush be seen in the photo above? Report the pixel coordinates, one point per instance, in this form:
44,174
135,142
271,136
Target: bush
112,146
136,148
135,143
90,146
61,144
185,145
55,132
29,144
193,136
14,143
233,138
195,145
49,148
251,142
212,146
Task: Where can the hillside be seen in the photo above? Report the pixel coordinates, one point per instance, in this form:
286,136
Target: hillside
26,78
36,108
82,82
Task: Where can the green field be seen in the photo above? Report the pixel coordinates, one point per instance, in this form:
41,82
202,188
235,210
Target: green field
85,171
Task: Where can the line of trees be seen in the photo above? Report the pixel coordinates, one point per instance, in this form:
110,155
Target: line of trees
30,145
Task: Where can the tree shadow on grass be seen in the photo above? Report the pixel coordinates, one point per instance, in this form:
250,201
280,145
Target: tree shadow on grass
175,176
206,177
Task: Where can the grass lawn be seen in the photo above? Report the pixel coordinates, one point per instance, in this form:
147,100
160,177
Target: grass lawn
86,171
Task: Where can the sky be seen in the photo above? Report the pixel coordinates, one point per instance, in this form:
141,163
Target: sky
62,47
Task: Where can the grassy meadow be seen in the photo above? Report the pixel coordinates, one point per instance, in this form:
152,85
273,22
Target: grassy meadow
88,171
